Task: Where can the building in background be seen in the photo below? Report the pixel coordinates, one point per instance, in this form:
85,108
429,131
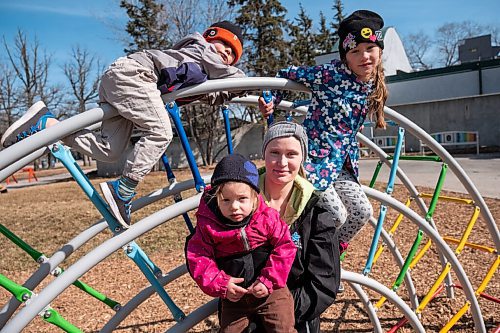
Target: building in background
464,97
477,49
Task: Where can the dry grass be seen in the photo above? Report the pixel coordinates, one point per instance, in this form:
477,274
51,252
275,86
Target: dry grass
48,216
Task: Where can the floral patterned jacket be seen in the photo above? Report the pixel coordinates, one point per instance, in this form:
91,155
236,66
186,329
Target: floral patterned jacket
338,108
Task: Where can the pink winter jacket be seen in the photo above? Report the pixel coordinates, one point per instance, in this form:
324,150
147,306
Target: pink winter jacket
212,239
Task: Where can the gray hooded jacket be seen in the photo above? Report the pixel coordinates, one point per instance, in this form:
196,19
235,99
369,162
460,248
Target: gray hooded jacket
190,61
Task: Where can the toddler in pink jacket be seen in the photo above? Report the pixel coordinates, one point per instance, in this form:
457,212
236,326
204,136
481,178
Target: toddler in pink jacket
241,251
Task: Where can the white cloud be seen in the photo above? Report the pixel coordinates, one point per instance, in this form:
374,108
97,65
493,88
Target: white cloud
67,11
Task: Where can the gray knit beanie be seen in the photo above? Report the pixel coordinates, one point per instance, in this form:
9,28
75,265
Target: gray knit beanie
283,129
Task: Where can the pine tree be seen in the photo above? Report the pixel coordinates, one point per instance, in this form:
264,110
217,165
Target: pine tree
325,37
263,23
339,16
145,26
303,46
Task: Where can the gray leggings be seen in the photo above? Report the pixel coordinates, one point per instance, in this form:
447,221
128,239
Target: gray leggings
349,204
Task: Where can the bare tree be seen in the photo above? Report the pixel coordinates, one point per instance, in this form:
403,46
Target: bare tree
83,73
31,66
183,17
145,27
495,36
449,36
188,16
9,97
206,126
205,123
217,10
417,47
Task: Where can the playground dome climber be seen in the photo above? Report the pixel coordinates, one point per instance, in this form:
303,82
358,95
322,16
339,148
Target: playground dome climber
422,215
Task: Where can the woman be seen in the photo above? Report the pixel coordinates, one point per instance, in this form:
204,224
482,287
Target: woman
315,274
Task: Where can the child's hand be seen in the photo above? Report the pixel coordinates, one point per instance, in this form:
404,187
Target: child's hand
266,109
258,289
234,292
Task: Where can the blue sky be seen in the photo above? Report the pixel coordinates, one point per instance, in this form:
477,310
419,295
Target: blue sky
60,25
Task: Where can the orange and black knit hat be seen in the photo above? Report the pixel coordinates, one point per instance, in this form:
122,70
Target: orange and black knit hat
230,34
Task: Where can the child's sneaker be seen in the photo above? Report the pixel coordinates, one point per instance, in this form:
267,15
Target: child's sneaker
343,247
33,121
341,288
119,206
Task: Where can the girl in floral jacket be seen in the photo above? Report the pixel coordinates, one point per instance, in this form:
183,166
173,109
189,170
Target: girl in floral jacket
242,251
344,93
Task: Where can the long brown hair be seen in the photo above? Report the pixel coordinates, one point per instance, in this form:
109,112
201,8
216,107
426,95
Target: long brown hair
376,100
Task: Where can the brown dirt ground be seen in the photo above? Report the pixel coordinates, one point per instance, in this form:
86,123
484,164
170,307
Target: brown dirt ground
49,215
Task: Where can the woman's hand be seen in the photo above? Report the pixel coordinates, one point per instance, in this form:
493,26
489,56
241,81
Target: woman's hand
266,109
258,289
234,292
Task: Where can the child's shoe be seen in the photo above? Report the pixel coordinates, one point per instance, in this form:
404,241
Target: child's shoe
33,121
341,288
342,250
120,207
343,247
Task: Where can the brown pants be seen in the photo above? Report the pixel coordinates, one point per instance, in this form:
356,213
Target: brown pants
275,312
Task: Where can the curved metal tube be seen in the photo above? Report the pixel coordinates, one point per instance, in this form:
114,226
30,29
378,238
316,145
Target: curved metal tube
441,244
52,134
33,144
414,195
248,83
9,170
454,166
288,106
141,297
66,250
195,317
370,309
4,173
58,285
352,278
412,292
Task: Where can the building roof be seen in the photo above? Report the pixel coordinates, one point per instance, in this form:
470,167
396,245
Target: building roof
465,67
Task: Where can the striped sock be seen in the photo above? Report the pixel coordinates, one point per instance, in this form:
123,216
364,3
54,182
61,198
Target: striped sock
126,187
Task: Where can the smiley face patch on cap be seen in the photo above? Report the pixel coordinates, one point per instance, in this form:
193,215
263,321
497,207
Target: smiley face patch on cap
362,26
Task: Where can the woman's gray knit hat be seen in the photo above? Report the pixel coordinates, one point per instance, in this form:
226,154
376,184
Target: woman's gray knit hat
284,129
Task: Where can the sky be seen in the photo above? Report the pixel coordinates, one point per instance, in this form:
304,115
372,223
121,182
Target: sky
97,25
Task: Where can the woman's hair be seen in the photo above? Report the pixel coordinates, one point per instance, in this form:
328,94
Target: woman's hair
217,194
302,172
376,100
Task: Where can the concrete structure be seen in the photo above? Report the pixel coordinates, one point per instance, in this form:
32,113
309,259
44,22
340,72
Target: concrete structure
459,81
476,113
458,98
